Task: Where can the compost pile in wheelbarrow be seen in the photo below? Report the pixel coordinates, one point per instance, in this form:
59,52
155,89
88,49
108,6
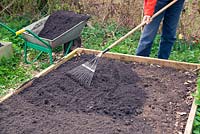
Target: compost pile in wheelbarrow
60,22
124,98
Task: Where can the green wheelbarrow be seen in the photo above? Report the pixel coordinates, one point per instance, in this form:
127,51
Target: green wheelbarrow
30,35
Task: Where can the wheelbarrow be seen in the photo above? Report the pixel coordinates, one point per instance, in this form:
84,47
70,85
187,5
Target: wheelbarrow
30,35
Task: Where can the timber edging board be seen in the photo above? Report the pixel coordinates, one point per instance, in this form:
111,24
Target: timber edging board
123,57
161,62
189,124
44,72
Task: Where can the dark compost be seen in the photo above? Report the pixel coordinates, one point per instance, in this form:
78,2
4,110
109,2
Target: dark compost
124,98
60,22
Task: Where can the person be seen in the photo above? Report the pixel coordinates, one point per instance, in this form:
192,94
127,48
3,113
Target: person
170,18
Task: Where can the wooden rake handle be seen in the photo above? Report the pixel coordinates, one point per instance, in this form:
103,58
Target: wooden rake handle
137,27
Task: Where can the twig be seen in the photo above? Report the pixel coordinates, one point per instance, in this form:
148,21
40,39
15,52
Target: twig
89,24
6,8
196,70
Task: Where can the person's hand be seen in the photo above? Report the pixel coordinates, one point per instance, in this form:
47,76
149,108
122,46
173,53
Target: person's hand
147,19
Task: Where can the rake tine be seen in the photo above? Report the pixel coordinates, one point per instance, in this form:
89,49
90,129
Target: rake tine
85,72
87,69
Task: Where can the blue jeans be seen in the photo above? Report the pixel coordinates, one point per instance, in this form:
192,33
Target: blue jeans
170,19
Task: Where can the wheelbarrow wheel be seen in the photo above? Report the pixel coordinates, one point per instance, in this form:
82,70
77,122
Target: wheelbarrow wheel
75,44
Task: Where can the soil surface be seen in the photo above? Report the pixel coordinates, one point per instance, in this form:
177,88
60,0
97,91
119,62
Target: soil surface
1,45
59,22
124,98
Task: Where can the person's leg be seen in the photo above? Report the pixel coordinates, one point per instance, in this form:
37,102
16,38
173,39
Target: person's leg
150,31
170,23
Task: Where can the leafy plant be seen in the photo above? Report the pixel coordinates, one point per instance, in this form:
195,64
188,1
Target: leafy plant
102,35
196,125
12,73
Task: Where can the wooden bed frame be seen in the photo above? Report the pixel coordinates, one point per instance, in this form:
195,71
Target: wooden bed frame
122,57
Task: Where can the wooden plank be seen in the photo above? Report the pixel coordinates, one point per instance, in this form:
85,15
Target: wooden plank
6,97
189,125
18,90
54,66
139,59
44,72
166,63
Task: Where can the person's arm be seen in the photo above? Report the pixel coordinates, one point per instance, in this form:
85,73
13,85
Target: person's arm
149,6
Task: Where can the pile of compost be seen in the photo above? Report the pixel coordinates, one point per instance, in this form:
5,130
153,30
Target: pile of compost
60,22
124,98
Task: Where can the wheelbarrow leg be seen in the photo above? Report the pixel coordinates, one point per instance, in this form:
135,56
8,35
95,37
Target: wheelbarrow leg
38,48
67,47
51,57
25,53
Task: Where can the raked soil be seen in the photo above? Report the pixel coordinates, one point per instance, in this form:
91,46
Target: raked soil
124,98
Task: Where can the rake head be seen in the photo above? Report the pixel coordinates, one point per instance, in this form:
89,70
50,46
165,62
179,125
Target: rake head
85,72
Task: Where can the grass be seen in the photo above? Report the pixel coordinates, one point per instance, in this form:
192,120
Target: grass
104,35
13,71
196,125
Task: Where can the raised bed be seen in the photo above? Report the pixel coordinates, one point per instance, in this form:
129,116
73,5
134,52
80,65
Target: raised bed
5,49
128,95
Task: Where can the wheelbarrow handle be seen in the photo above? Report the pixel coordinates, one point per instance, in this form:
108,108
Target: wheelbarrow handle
34,35
20,31
38,38
8,28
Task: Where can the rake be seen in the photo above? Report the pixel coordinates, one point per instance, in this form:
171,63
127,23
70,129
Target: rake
85,72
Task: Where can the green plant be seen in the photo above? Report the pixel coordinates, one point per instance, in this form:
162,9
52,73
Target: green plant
104,35
12,73
196,125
